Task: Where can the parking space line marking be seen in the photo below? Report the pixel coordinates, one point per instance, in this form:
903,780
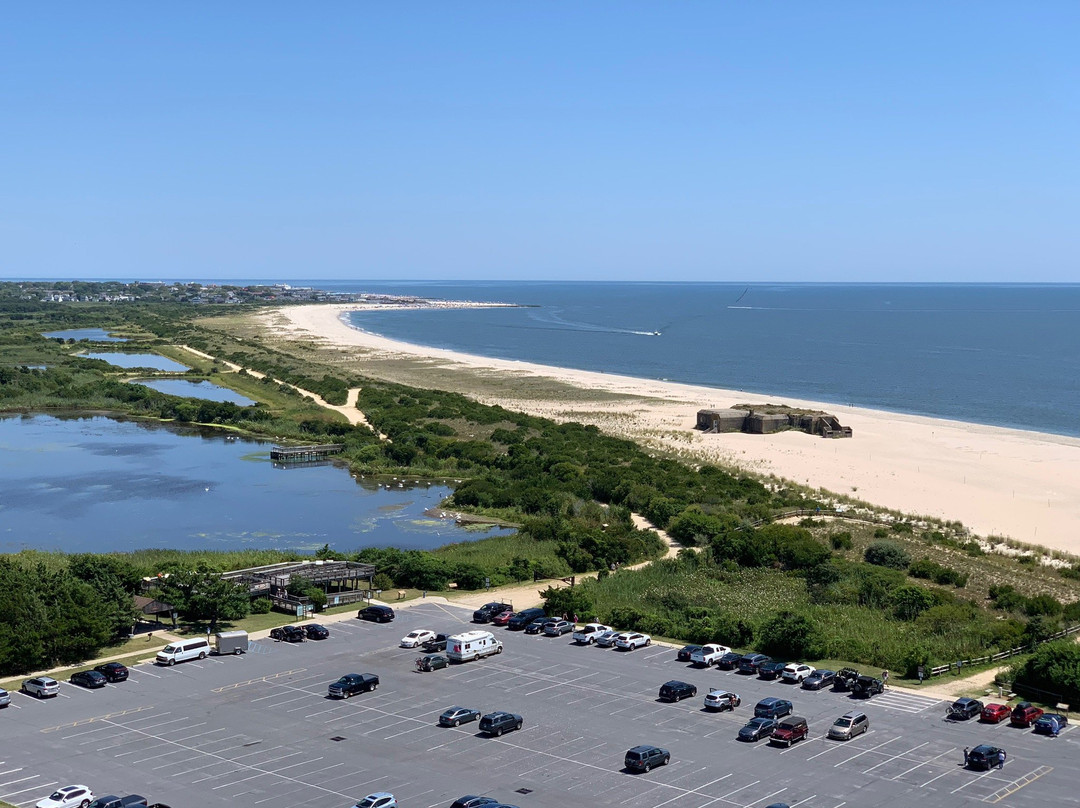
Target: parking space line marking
919,765
35,787
1018,784
973,780
267,678
899,756
865,751
97,718
800,802
766,797
21,780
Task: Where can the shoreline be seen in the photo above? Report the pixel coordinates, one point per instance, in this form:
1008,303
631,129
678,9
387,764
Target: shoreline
997,481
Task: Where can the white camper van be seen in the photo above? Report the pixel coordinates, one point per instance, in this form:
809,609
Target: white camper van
472,645
183,651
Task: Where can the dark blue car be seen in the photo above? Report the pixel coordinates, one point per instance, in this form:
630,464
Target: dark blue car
772,708
757,728
1051,724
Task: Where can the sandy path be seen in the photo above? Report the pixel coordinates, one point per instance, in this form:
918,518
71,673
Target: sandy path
1024,485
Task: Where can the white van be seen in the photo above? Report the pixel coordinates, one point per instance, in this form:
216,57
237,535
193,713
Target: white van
472,645
183,651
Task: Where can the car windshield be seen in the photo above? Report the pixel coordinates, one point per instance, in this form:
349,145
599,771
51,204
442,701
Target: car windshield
58,795
169,649
842,722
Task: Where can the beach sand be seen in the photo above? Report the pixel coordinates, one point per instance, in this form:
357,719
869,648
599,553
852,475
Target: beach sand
997,482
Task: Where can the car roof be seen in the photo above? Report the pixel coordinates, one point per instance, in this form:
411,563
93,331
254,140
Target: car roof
853,714
378,795
964,700
770,700
985,747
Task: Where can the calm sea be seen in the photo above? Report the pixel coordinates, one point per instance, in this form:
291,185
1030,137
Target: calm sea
1007,355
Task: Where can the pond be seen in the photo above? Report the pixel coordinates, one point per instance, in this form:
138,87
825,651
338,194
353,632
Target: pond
99,484
197,389
91,334
139,360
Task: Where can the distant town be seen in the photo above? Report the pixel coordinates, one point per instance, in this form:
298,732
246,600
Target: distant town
192,293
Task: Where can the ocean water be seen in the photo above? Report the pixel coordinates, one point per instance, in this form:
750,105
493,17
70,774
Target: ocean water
1006,355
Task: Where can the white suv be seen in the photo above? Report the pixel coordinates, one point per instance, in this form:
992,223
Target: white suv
587,633
796,672
41,686
629,640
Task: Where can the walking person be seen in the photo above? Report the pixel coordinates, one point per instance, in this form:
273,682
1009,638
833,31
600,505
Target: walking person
1001,758
966,757
885,678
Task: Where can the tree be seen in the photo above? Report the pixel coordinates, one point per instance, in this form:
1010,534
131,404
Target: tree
1054,668
201,594
887,554
790,634
568,600
911,601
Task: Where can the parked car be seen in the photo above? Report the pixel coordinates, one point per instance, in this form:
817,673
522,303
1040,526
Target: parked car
113,801
607,639
380,799
848,726
1050,723
791,729
845,678
797,673
751,663
5,698
352,683
558,627
502,618
757,728
487,612
88,679
588,633
472,801
113,671
819,679
436,643
964,708
288,634
676,690
1025,714
537,625
41,686
686,651
771,670
315,631
417,638
68,797
629,640
456,716
772,708
708,655
432,662
645,758
498,723
984,756
524,617
718,699
995,713
729,661
866,686
378,614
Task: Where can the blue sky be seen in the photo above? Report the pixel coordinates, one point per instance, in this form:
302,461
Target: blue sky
626,141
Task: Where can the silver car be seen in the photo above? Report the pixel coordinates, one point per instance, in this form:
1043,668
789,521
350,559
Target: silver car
5,698
42,687
607,639
848,726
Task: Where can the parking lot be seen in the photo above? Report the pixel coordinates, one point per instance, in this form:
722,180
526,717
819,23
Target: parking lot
258,730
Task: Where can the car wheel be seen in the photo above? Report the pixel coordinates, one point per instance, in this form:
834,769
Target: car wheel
202,655
694,692
84,803
498,732
498,650
375,686
236,652
667,759
519,724
172,662
456,723
648,768
348,694
648,643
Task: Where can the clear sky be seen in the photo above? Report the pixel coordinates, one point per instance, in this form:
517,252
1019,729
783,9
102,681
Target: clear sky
814,141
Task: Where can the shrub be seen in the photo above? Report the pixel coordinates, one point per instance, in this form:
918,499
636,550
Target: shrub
789,634
382,581
1043,605
911,601
261,606
840,541
931,570
880,533
887,554
1054,668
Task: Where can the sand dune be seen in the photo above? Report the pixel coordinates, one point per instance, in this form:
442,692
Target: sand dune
1023,485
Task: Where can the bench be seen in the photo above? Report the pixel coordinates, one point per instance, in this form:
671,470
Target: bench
401,594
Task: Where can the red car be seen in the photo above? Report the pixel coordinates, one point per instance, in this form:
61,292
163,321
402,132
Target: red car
1025,714
502,618
995,713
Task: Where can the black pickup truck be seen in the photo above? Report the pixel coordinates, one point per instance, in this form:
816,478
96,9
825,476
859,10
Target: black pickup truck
436,644
487,612
112,801
352,683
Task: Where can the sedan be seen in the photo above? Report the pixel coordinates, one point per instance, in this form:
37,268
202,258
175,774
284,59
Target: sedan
456,716
819,679
537,625
88,679
629,640
380,799
607,639
113,671
68,797
757,728
432,662
995,713
686,651
1051,724
771,670
501,619
416,638
316,632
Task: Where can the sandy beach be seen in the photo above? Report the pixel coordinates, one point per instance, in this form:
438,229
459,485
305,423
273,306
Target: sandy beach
998,482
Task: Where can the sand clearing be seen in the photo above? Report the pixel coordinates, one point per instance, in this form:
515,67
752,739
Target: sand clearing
1003,482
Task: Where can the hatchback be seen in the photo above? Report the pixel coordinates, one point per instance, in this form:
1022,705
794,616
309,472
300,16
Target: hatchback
380,799
456,716
432,662
772,708
88,679
113,671
848,726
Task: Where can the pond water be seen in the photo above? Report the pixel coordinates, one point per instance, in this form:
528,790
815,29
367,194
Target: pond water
138,360
198,389
98,484
92,334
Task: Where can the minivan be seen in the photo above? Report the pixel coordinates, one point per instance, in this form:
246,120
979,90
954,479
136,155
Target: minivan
380,614
183,651
848,726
